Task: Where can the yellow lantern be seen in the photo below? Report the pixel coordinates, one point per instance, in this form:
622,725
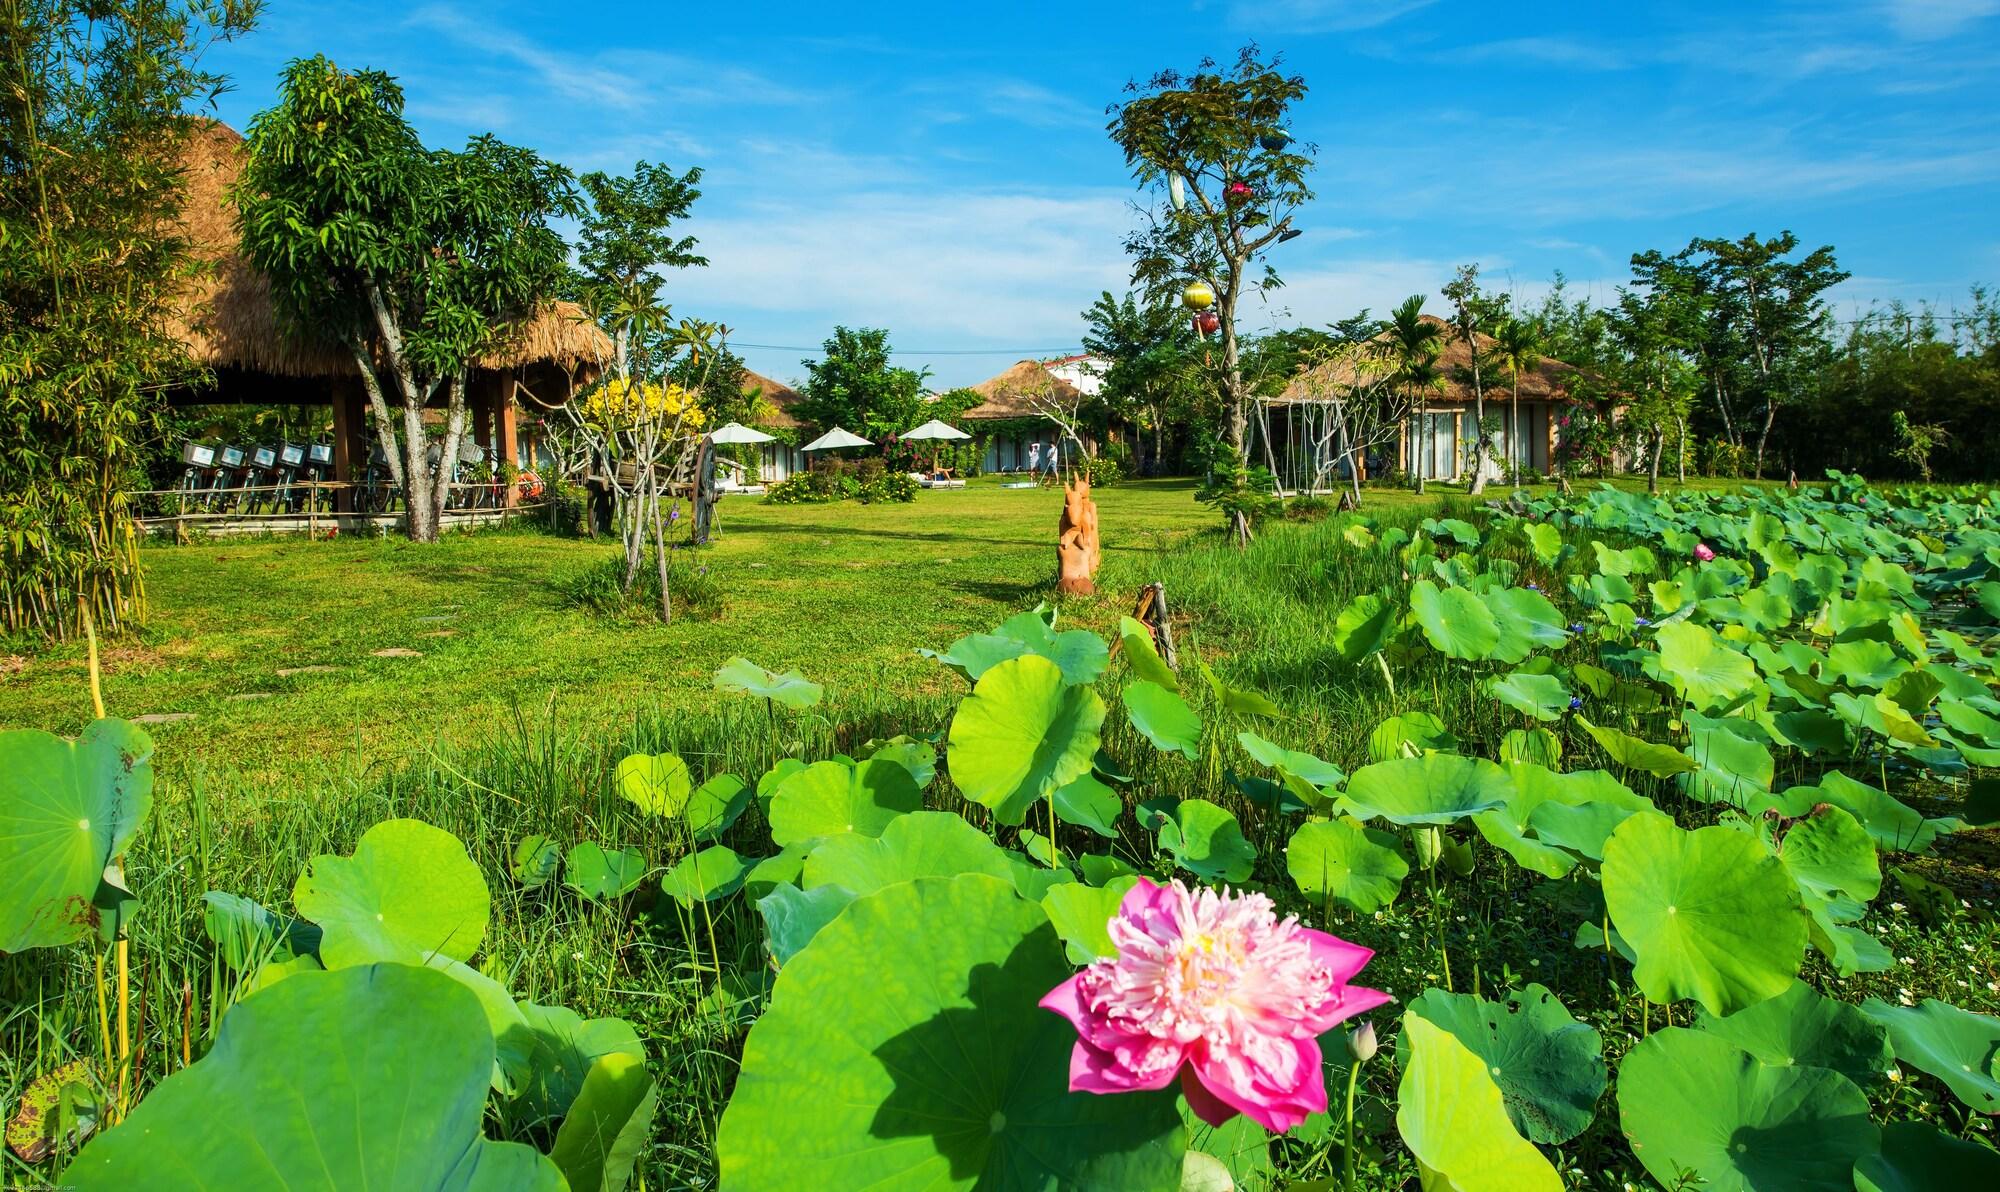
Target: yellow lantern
1198,296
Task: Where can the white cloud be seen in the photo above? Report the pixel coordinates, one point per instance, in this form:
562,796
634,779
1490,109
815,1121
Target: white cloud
1548,51
1321,16
1928,20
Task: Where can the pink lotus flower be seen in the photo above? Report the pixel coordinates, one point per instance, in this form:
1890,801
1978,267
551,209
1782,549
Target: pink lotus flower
1213,988
1702,553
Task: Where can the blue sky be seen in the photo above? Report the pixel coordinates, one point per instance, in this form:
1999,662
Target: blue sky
942,169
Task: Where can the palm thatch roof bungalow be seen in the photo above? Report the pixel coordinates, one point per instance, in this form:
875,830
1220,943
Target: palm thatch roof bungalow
228,322
772,408
1014,404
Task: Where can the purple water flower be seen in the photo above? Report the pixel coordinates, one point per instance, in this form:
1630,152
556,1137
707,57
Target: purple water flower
1641,622
1576,703
1576,628
1534,587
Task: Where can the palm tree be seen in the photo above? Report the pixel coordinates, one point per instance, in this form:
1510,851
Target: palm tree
1517,347
1415,343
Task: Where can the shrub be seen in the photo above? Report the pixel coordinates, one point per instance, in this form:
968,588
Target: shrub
1101,470
1308,509
890,486
599,588
1234,489
813,488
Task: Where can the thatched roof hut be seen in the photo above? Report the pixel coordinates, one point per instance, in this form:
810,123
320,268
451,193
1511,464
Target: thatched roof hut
1550,380
229,323
1013,393
775,398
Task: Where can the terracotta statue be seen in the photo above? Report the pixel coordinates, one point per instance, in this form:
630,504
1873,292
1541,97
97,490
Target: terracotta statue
1076,541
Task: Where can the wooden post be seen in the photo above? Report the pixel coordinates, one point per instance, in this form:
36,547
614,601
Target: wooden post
347,440
508,436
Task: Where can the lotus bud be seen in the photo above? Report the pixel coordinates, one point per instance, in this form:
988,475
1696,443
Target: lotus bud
1361,1042
1702,553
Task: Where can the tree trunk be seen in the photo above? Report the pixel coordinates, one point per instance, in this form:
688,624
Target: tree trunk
1653,469
1764,436
454,430
1681,448
1423,443
1514,434
1478,422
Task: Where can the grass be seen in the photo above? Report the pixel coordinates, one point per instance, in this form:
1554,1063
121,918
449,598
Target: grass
510,726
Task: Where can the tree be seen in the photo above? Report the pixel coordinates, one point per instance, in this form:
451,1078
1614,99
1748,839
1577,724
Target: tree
94,122
854,386
1517,349
1414,345
1471,309
1352,373
414,261
1153,368
1224,178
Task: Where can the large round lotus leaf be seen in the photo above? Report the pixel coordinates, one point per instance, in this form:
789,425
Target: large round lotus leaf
1206,841
564,1047
715,872
1710,914
715,804
1082,916
1891,823
919,757
1163,718
905,1049
1346,863
1022,733
1437,788
1527,622
791,688
409,890
1549,1066
1542,696
1364,627
370,1077
1830,854
66,809
1693,1102
1081,654
831,798
1454,620
1708,671
655,784
1452,1117
1954,1045
1801,1028
604,873
1089,803
1731,768
922,844
1916,1158
1410,734
793,916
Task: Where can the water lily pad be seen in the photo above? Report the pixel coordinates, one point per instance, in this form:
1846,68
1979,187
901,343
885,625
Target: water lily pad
875,1026
1694,1102
830,798
409,891
366,1077
69,808
655,784
1022,733
1163,718
603,873
1437,788
921,844
1346,863
1206,841
1454,620
792,689
1453,1118
1801,1028
1549,1066
1710,914
1954,1045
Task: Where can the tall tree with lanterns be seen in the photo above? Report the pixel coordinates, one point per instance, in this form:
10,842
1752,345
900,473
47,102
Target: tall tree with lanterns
1223,177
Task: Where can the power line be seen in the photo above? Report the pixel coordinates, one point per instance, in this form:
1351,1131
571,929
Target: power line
1017,353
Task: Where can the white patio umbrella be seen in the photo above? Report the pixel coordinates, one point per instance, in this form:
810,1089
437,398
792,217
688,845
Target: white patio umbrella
836,438
736,432
935,429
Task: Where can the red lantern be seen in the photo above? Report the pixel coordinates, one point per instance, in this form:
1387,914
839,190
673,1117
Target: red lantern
1239,192
1207,323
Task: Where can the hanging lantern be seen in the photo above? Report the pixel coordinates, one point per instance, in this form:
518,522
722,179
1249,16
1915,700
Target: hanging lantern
1177,191
1276,140
1198,296
1207,322
1239,192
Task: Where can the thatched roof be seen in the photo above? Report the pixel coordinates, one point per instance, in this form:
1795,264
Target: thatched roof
227,319
1550,380
1013,393
775,399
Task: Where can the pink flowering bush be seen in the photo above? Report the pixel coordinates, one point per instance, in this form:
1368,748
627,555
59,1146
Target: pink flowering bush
1213,988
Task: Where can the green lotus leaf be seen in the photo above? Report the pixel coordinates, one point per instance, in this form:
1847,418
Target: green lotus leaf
1542,696
1710,914
784,868
1829,853
976,653
1454,1119
537,860
1634,753
601,1139
67,808
564,1048
714,872
916,756
1409,734
1207,842
1545,541
715,805
1864,662
1364,627
1704,668
1088,803
1306,776
1163,718
603,873
911,1028
1732,767
1849,949
744,677
1082,917
655,784
1549,1066
1022,733
1143,656
1581,828
1100,870
248,935
1527,622
830,798
1437,788
409,891
1536,745
1813,730
1454,620
1881,715
1235,1155
1238,699
1342,861
1800,1028
793,916
1917,1158
773,779
921,844
1954,1045
1507,828
1082,655
1692,1102
365,1077
1891,823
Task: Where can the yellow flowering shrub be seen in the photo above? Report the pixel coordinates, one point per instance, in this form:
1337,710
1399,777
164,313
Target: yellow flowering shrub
620,404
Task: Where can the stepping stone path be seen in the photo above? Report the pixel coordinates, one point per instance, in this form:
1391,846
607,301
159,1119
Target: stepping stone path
243,695
286,672
440,633
163,718
397,652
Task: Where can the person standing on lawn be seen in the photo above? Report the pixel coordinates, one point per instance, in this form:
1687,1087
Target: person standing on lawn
1035,458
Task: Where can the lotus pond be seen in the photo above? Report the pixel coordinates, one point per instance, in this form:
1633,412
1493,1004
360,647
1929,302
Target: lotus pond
1599,842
